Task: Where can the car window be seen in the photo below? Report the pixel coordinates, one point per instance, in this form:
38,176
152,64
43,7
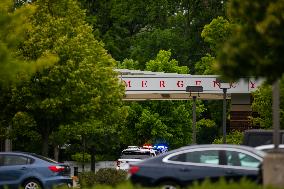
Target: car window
241,159
136,154
7,160
207,157
44,158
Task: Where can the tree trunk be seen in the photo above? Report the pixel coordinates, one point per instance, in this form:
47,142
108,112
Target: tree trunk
93,159
45,144
56,152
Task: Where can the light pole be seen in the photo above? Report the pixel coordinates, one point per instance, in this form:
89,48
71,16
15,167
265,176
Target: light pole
191,89
276,113
224,86
224,115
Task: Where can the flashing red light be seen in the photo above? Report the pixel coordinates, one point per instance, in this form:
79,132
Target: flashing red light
56,168
133,169
149,146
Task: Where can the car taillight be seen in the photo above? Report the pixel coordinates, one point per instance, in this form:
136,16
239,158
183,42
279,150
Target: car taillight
133,169
56,168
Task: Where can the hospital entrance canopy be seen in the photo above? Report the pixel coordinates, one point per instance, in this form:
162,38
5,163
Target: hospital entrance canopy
146,85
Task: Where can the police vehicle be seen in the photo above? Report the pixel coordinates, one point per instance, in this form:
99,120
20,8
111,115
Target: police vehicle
133,154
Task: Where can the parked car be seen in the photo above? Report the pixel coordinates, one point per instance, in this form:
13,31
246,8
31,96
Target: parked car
32,171
183,166
133,155
269,147
258,137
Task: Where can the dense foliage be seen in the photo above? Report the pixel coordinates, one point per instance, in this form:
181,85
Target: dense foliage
10,63
139,29
262,105
77,100
69,97
235,137
78,96
257,44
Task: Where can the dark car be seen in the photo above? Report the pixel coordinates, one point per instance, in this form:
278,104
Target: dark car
31,171
183,166
258,137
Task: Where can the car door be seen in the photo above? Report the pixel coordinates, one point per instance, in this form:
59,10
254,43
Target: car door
196,165
13,168
241,164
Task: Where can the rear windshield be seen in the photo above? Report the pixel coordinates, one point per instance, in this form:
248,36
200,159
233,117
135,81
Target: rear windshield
136,155
44,158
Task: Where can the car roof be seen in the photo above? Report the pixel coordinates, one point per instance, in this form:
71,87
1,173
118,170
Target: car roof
133,147
260,131
268,146
137,150
31,155
217,146
16,152
234,146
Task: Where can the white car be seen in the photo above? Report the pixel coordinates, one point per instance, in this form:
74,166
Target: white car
130,155
269,147
133,147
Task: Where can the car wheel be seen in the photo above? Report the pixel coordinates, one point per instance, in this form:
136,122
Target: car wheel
32,184
169,185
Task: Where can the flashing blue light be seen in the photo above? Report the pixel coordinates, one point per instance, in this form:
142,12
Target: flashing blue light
161,147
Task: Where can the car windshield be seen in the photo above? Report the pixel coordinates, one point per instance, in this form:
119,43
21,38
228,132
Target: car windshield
136,154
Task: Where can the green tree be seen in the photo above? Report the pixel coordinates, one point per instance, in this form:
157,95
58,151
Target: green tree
256,48
80,94
262,104
139,29
235,137
128,64
162,63
11,65
217,32
205,65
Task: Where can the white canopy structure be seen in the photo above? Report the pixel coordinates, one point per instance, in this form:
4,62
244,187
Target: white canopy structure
147,85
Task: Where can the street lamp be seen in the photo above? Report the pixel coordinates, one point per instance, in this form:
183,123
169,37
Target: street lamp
224,86
191,89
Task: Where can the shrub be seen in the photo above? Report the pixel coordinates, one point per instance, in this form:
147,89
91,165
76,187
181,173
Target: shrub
110,176
87,179
105,176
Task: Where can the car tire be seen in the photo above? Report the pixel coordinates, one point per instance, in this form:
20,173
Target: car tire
32,184
168,185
